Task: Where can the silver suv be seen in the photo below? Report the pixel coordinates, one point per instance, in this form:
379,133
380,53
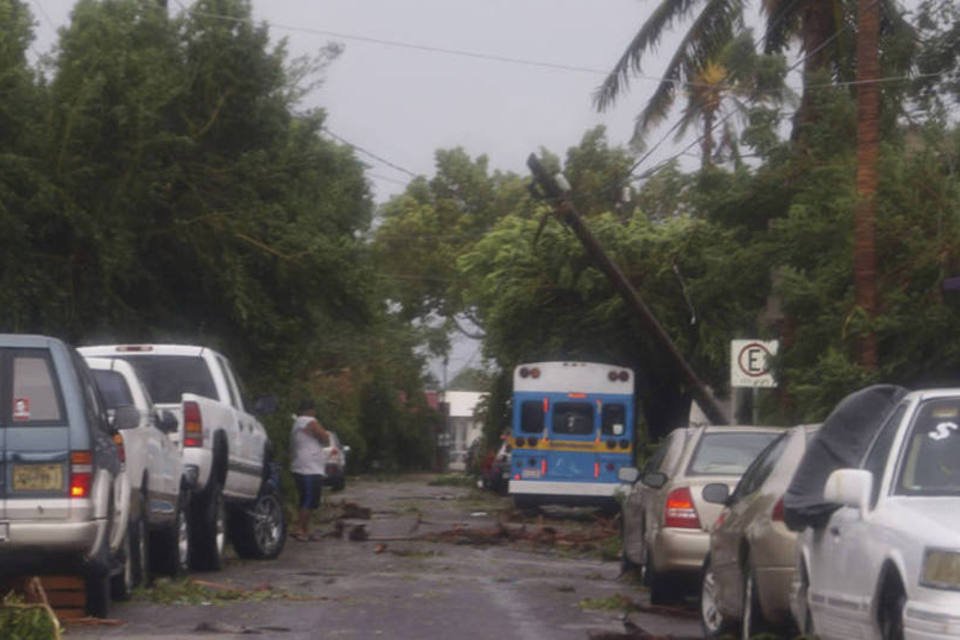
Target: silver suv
64,498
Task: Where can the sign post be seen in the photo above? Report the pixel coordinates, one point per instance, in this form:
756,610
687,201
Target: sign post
750,366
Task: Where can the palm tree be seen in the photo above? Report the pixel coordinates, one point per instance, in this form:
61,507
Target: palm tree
713,24
868,150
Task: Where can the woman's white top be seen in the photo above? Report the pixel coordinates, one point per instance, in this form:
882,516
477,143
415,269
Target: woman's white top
306,452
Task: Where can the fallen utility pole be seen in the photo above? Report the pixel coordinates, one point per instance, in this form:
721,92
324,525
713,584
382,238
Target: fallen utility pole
567,213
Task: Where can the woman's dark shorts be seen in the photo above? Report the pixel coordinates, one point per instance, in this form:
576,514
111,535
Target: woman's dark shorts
309,487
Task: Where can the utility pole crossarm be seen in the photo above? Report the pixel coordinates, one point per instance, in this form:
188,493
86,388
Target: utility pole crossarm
567,213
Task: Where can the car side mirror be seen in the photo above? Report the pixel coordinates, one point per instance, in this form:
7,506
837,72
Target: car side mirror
265,406
654,479
167,422
716,493
628,475
849,487
125,417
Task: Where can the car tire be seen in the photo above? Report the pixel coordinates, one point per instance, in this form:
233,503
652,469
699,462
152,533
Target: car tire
208,529
170,551
259,530
712,622
752,621
804,619
890,611
97,589
663,591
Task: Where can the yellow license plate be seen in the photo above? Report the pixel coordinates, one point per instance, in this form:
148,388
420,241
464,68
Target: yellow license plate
37,477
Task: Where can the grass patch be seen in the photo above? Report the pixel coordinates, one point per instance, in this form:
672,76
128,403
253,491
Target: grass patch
190,591
415,553
453,480
616,602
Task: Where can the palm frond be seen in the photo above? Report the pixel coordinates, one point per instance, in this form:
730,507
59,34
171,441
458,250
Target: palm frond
783,21
647,38
713,28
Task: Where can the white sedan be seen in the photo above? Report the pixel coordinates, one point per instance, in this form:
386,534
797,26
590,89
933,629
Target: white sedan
887,562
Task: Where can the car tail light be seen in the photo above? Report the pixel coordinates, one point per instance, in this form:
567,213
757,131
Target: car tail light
81,473
121,450
192,425
134,348
680,511
777,514
334,451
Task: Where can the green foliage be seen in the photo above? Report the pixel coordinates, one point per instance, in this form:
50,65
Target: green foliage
165,185
20,621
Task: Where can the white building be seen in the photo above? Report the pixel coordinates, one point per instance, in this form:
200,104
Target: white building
463,427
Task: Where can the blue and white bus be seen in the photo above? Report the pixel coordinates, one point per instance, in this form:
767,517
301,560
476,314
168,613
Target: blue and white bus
572,430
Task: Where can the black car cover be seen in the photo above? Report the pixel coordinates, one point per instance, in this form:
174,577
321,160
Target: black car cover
840,443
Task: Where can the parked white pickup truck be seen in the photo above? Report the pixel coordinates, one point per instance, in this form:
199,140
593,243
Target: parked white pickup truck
226,451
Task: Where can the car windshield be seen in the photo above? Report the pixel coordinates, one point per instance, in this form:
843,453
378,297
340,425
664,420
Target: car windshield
931,460
727,453
167,378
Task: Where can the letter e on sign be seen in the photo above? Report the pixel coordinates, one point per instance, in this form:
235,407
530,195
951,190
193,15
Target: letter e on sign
749,363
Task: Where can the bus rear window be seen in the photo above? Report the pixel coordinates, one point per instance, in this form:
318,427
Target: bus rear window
531,417
613,420
573,418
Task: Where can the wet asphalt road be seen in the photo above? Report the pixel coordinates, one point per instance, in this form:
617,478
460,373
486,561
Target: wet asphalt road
437,562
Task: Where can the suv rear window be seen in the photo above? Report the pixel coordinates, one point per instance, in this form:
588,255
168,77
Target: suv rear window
727,454
36,396
167,378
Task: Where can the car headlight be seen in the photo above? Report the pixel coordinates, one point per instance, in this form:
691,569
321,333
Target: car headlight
941,569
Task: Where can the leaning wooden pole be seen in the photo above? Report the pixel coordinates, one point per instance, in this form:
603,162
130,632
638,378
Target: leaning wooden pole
569,216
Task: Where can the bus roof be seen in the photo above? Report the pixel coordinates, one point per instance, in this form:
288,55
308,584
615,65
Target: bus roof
573,377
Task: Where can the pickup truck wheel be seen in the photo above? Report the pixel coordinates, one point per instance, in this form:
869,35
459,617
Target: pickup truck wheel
170,553
260,530
208,529
140,544
122,583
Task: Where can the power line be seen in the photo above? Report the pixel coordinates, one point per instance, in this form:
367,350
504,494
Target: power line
370,154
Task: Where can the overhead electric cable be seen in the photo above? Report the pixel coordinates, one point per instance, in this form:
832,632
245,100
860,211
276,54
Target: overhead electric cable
376,157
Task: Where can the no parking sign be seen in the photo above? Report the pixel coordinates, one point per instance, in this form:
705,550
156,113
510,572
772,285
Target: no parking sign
749,363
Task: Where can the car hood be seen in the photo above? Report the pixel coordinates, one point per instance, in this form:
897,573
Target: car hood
935,520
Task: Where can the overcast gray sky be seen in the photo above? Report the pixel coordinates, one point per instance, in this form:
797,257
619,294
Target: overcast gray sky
403,103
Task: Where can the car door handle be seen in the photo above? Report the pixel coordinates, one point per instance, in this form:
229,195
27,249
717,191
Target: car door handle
835,531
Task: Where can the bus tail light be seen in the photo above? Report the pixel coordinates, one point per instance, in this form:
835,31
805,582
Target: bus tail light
81,473
680,511
192,425
596,469
543,467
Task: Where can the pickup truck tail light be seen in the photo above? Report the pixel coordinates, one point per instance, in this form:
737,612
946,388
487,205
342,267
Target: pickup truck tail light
680,511
81,473
121,449
192,425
